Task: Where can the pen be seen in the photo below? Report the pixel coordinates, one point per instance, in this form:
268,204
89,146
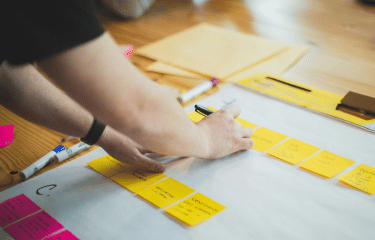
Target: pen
192,93
73,150
36,166
203,110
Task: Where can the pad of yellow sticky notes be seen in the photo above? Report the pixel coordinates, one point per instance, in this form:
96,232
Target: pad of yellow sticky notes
361,177
108,166
293,151
265,138
137,179
196,117
165,192
195,209
326,164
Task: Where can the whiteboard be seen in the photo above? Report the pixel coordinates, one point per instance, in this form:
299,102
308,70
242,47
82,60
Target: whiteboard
265,197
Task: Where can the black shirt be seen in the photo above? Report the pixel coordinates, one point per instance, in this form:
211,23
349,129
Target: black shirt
37,29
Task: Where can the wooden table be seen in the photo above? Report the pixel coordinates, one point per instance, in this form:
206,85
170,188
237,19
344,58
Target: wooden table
342,56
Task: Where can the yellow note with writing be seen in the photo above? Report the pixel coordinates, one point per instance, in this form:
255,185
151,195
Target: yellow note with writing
137,179
265,138
293,151
361,177
165,192
196,117
108,166
195,209
326,164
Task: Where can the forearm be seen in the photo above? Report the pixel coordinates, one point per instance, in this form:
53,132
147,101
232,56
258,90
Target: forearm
102,80
28,94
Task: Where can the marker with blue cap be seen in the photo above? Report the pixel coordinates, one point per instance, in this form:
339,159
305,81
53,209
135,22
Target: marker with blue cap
36,166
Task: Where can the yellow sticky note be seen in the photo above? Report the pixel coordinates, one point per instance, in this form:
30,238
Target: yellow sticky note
165,192
245,123
195,209
326,164
265,138
293,151
137,179
196,117
108,166
361,177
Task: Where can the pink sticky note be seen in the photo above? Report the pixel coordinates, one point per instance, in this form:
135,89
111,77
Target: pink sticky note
127,54
34,227
16,208
64,235
6,135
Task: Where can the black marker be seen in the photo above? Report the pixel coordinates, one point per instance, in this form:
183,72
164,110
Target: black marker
203,110
289,84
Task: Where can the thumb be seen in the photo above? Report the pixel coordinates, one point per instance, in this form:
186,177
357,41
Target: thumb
149,163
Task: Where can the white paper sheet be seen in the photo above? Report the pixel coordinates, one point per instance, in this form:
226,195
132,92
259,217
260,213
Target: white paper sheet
266,198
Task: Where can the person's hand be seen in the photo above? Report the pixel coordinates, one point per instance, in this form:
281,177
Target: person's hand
224,134
124,149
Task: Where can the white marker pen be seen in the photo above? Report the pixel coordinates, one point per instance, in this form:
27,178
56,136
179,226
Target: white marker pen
192,93
36,166
73,150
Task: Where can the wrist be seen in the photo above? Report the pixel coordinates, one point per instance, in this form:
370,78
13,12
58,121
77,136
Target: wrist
205,143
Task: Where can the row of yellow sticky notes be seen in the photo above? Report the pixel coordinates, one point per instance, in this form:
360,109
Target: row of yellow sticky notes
294,151
159,190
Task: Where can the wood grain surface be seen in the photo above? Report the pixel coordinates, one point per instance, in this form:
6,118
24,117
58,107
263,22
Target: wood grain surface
342,56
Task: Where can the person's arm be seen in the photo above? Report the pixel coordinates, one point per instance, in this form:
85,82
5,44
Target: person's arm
24,91
103,81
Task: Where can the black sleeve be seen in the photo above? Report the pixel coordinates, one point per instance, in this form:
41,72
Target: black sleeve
37,29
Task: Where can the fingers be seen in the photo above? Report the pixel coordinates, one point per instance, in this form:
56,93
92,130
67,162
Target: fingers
247,132
149,164
233,110
246,143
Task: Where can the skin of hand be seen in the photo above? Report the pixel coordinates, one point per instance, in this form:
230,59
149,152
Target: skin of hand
234,133
103,81
25,92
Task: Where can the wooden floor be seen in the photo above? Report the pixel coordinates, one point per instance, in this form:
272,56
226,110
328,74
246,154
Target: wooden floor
341,34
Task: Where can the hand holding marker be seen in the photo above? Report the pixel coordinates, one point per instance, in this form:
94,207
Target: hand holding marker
204,87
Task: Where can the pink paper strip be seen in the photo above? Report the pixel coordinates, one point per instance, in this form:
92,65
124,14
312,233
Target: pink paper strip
35,227
127,54
16,208
64,235
6,135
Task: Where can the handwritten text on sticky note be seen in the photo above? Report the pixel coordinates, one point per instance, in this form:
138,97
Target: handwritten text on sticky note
137,179
195,209
108,166
361,177
265,138
36,226
165,192
293,151
326,164
16,208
